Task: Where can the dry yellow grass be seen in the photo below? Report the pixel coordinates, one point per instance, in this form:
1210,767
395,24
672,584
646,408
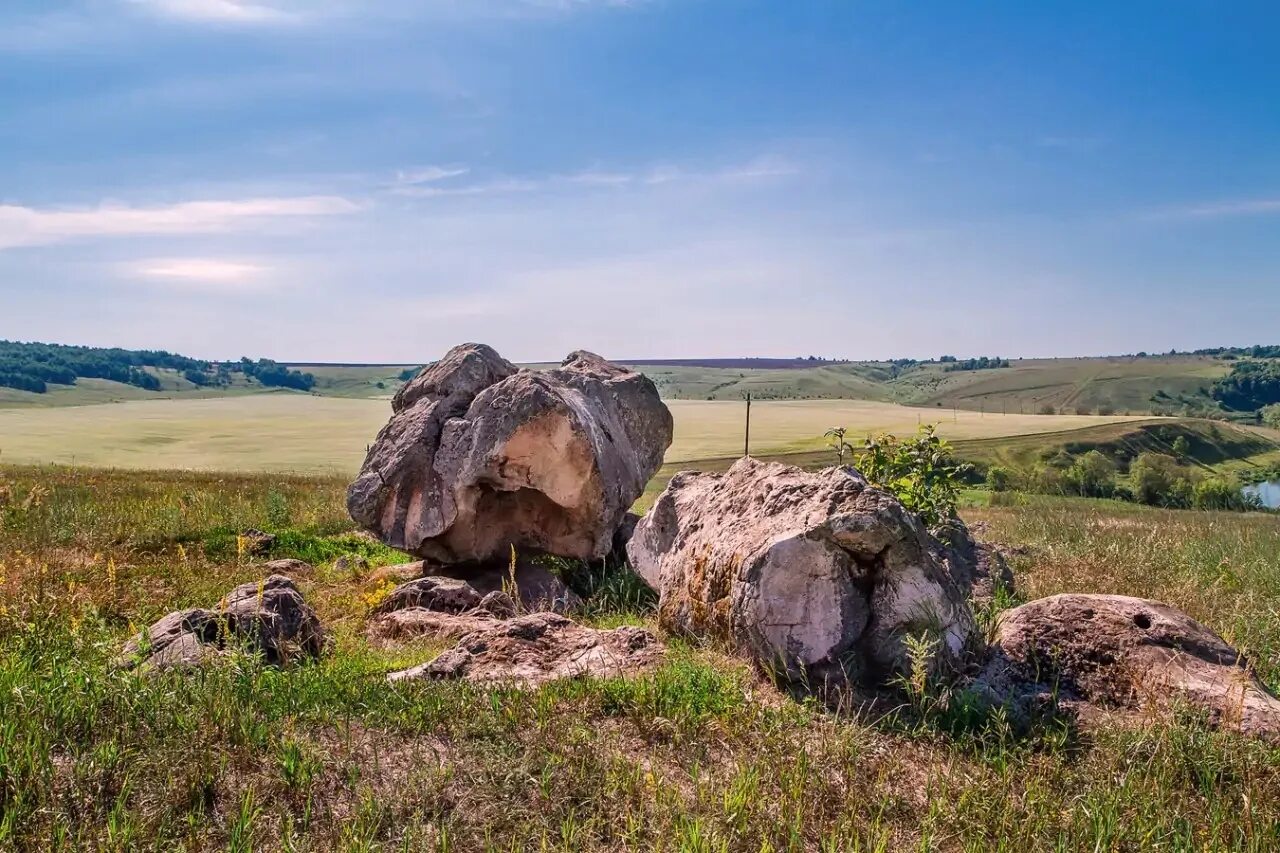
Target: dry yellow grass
297,432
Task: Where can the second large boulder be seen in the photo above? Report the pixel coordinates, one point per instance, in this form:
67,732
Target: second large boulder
480,456
815,575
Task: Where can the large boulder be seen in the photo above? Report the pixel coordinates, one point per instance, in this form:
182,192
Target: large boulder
531,650
270,618
1099,655
480,456
814,575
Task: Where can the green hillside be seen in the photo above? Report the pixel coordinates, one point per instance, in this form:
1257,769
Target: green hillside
1177,385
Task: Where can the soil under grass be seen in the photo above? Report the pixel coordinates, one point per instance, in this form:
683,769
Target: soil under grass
701,755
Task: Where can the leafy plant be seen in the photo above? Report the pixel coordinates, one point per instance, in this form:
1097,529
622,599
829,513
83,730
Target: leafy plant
838,443
921,471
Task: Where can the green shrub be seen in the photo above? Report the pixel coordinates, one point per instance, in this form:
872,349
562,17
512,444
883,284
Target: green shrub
921,472
999,479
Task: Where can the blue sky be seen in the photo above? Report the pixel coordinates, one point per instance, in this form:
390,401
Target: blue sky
376,180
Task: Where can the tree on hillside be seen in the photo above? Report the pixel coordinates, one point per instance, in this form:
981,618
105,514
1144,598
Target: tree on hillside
1271,415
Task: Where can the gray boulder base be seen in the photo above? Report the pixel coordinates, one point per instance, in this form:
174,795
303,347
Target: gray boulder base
815,576
480,457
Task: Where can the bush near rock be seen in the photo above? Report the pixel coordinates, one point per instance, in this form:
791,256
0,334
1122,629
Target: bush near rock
270,618
814,575
480,456
1099,654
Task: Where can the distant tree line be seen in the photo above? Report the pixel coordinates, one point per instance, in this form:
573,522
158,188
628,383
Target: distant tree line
982,363
275,375
35,366
1256,351
1249,386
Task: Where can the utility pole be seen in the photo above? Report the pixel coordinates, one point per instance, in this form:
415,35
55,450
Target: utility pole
746,442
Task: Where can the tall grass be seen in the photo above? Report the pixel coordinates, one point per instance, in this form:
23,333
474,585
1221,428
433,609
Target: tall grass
699,755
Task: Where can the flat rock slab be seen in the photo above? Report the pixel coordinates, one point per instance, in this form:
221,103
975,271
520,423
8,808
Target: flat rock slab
1108,654
813,575
270,618
538,648
480,457
400,626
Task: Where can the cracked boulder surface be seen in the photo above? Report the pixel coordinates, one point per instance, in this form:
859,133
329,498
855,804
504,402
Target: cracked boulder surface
814,575
270,618
1094,655
480,456
530,650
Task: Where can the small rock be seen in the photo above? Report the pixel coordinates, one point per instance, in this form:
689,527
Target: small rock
538,648
351,564
289,567
401,573
256,542
446,595
420,624
499,604
270,618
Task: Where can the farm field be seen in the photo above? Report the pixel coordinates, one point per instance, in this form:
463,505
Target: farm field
1168,385
704,754
286,431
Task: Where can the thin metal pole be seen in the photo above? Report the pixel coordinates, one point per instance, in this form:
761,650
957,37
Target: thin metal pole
746,443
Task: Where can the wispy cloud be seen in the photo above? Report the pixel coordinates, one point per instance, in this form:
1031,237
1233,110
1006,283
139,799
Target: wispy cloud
217,11
436,181
212,273
427,175
27,226
1219,209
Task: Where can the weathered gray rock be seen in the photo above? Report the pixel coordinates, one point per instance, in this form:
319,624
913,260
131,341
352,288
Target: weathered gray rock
1103,654
479,457
288,567
977,566
256,542
537,587
814,575
270,618
538,648
418,623
445,595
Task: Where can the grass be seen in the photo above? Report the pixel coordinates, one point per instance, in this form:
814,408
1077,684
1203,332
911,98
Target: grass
701,755
288,431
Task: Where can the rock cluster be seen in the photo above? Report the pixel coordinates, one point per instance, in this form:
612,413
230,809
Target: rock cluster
269,618
496,644
530,650
480,457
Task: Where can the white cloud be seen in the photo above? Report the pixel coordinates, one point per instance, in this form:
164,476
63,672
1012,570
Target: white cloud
26,226
216,11
212,273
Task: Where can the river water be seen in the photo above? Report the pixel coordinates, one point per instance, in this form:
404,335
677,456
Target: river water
1269,492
